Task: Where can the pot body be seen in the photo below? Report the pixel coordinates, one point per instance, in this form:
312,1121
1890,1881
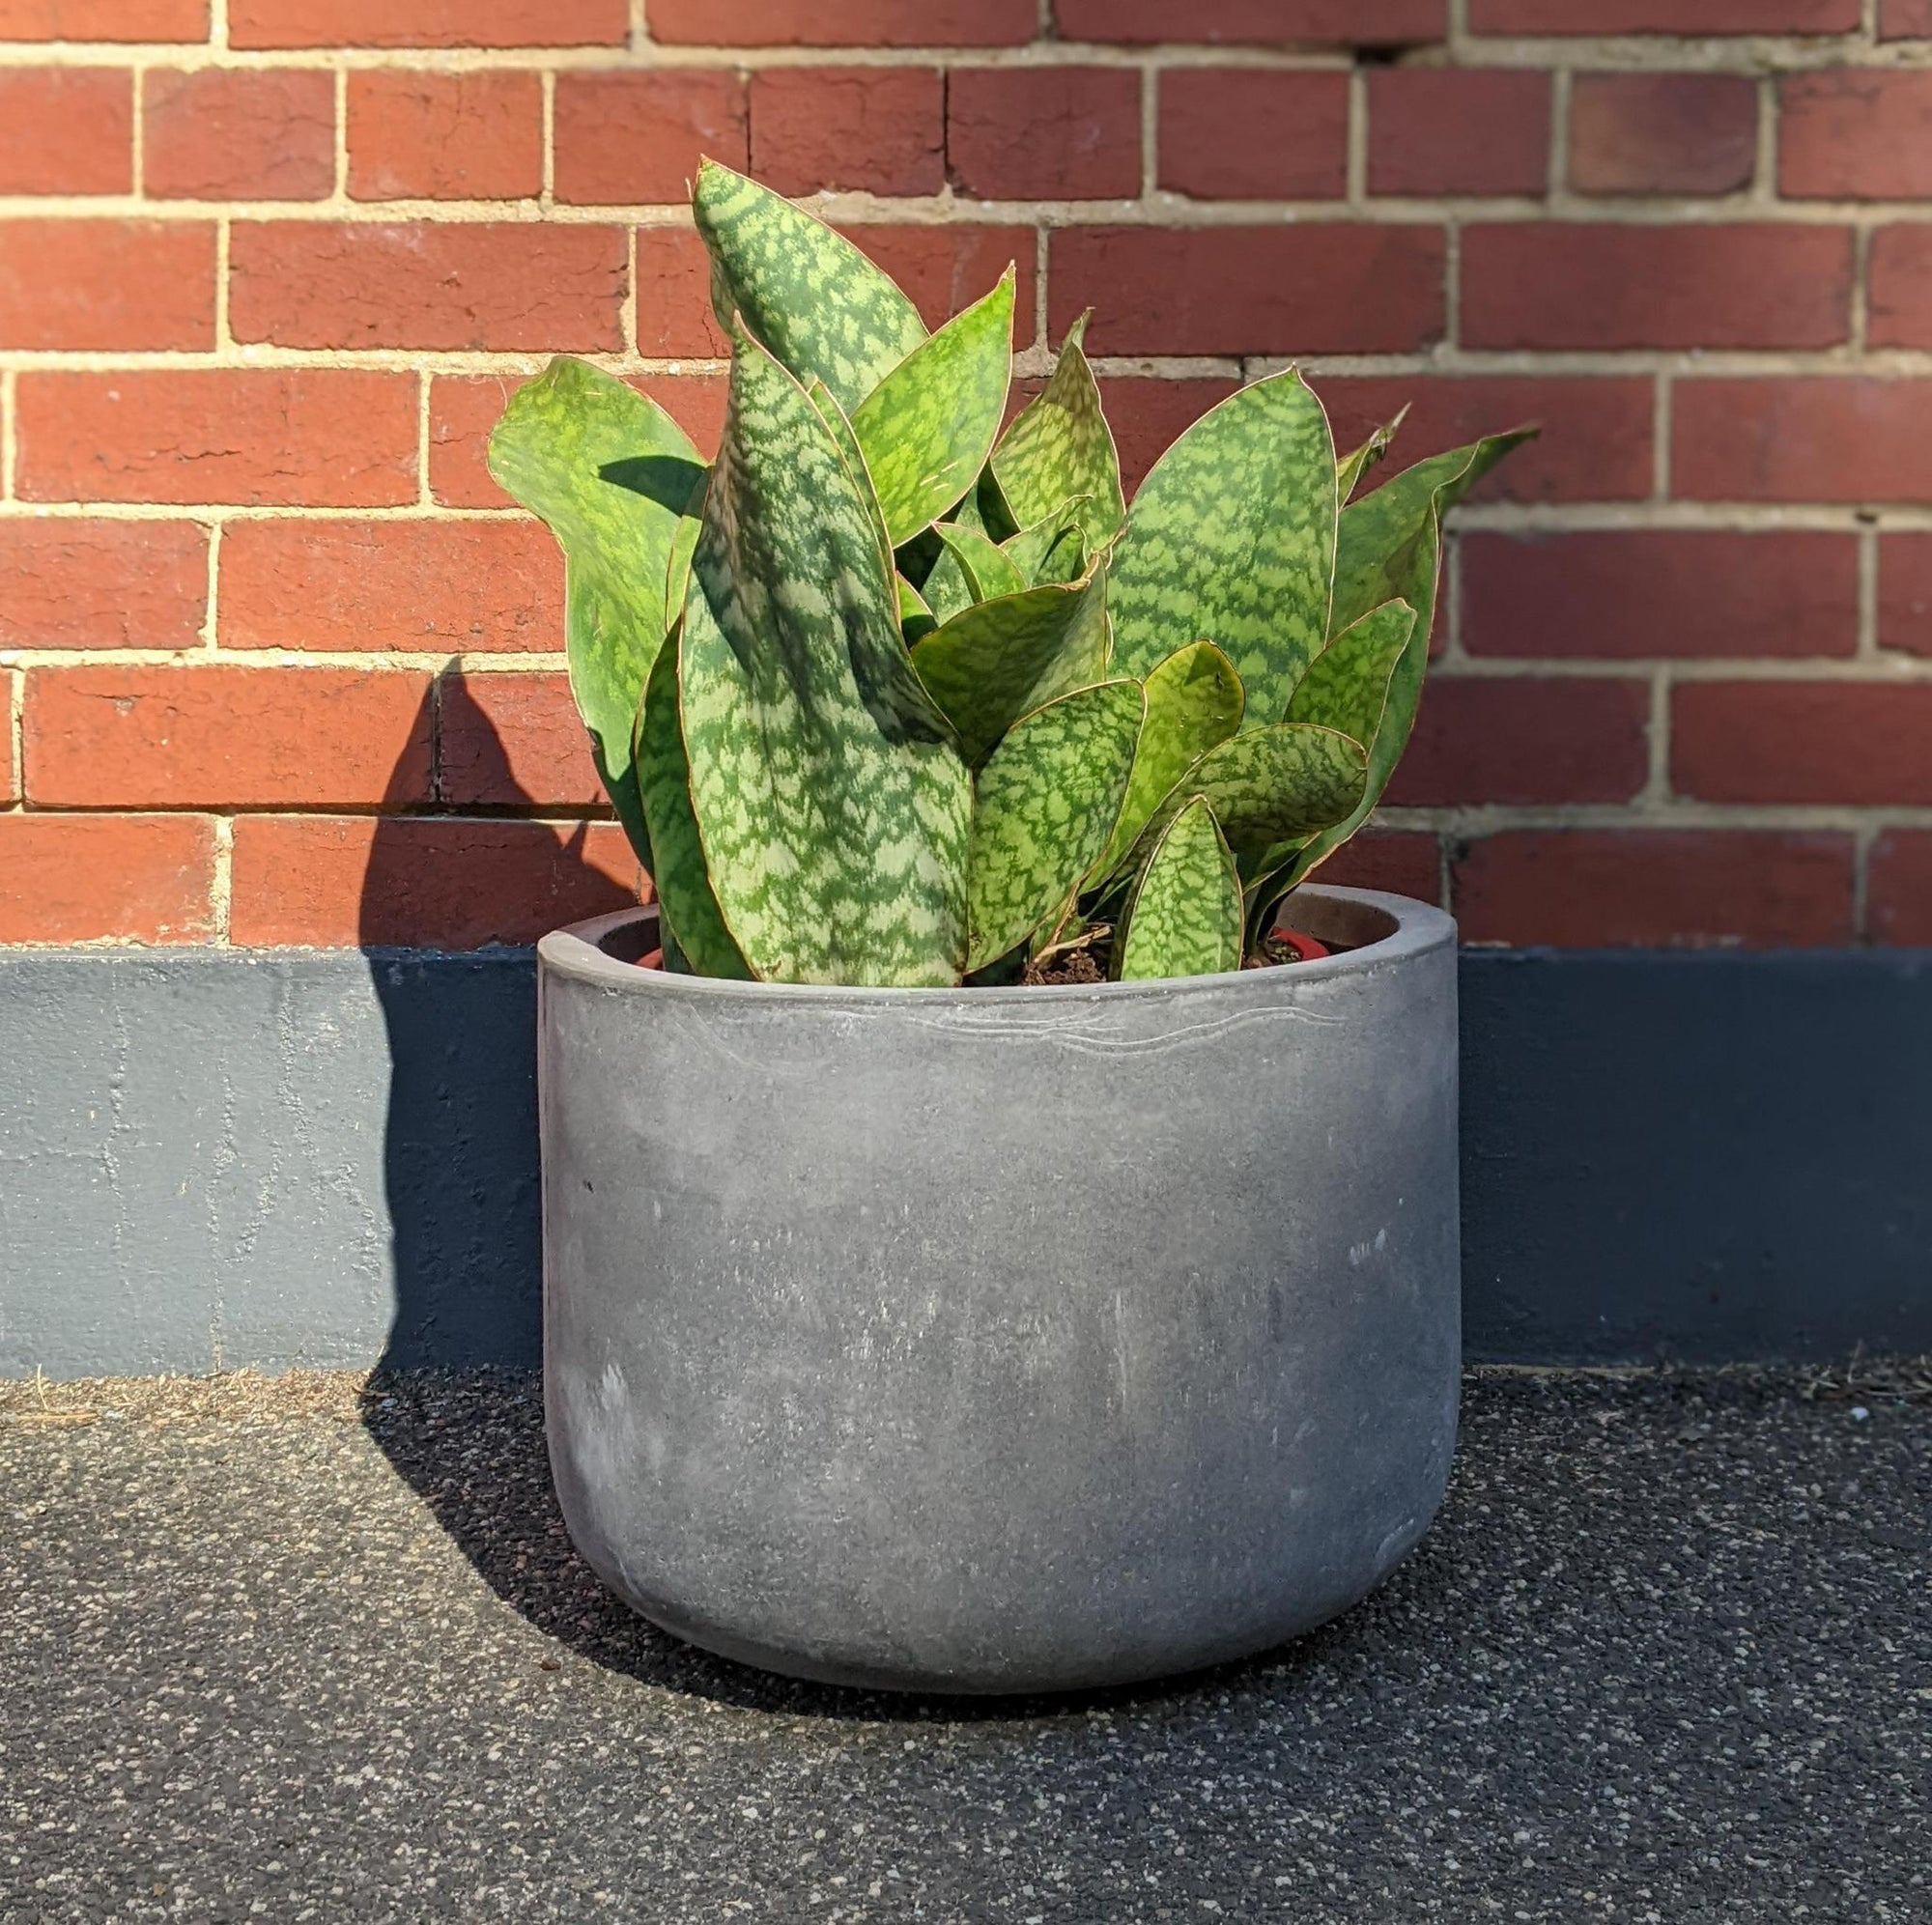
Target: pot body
1002,1340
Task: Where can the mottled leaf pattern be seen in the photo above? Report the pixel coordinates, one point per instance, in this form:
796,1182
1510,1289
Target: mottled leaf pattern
1350,469
807,292
1043,808
1272,784
929,426
610,472
996,660
1054,549
1060,447
833,807
1346,684
916,619
1194,701
1184,915
1232,537
986,569
835,419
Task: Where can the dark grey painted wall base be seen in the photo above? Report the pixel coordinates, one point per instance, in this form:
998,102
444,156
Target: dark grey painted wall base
217,1159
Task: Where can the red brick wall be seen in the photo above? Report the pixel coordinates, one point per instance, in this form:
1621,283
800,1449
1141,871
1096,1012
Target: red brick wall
279,663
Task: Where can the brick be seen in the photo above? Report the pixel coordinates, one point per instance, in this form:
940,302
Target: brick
462,409
1044,132
1326,288
118,21
1680,18
674,315
1904,593
1522,740
1662,133
1802,742
444,136
842,22
1256,23
10,753
1899,277
333,438
411,284
1458,131
1399,862
1583,888
510,740
1854,134
1625,593
634,139
1304,155
1904,19
1898,889
1149,415
332,882
70,583
238,133
107,878
66,131
1825,439
216,736
464,585
943,269
871,129
275,23
106,284
1601,285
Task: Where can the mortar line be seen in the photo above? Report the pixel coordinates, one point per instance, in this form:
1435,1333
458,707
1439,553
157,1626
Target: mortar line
1764,192
225,341
1662,400
1868,591
1150,104
221,881
1864,839
546,190
17,733
211,614
340,132
425,499
137,134
1356,158
1557,180
1656,791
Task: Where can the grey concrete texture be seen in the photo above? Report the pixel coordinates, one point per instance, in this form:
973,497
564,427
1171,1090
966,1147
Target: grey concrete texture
293,1650
1002,1340
285,1160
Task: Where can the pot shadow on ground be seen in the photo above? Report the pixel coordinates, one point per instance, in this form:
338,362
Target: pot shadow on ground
456,1402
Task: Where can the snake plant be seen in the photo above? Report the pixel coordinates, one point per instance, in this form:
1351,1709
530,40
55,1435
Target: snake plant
887,696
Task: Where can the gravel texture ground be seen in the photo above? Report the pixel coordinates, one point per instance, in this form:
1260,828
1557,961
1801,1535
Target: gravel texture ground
306,1648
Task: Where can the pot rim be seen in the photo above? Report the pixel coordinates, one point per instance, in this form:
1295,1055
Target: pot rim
577,950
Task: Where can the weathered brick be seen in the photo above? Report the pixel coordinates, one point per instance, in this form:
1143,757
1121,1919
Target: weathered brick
1399,860
444,136
70,583
1899,277
874,129
468,586
1854,134
1525,741
1654,889
1595,444
1827,437
413,284
1149,415
120,21
1304,157
1609,285
842,22
66,131
1458,131
216,736
1802,742
1256,22
1044,132
1905,593
635,138
1904,19
332,882
943,269
1898,889
303,437
1326,288
1676,592
102,878
106,284
1662,133
238,133
675,316
273,23
1683,17
514,739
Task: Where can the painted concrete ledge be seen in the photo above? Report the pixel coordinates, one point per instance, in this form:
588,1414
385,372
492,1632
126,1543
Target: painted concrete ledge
217,1159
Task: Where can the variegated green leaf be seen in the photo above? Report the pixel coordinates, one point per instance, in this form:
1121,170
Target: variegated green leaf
1233,537
1060,447
1350,469
916,619
612,473
1346,684
1194,701
1053,549
986,569
1272,784
687,911
807,292
854,456
1184,915
1043,808
831,805
996,660
929,426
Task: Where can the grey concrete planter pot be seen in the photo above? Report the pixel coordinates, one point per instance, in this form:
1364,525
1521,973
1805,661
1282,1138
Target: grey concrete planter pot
1002,1340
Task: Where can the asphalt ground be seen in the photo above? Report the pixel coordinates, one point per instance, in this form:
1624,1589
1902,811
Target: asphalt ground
306,1648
